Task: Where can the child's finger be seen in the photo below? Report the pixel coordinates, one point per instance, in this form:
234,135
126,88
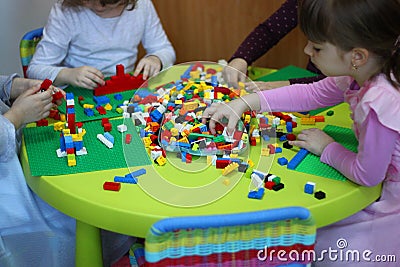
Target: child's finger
298,143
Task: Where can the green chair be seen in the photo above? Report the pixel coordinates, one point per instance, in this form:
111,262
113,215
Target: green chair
242,239
27,47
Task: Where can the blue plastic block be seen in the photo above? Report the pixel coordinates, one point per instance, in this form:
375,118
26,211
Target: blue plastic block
62,144
309,189
109,137
138,172
100,100
183,156
127,180
282,161
283,138
69,96
184,145
78,145
260,174
295,161
256,194
289,127
156,115
186,74
70,111
278,150
88,112
266,137
118,97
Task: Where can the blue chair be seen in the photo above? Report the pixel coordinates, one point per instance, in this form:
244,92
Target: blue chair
242,239
27,47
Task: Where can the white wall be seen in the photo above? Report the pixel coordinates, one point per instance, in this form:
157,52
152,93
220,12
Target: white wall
16,18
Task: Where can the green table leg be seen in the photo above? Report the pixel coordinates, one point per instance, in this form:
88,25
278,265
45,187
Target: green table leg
88,246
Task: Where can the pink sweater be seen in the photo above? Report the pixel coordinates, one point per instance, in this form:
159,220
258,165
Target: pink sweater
375,110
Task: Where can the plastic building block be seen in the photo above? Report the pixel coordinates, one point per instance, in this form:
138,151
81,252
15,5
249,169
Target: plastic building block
120,82
109,137
278,187
319,195
126,180
282,161
111,186
45,85
138,172
330,113
287,145
256,194
104,140
295,161
309,188
122,128
228,169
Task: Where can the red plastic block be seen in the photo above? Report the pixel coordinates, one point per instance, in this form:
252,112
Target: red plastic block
128,139
45,85
112,186
56,96
120,82
107,127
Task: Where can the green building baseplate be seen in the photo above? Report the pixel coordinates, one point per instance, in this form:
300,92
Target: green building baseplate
311,163
88,99
42,143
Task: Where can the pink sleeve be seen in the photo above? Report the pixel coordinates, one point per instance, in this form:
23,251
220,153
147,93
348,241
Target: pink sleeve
301,97
369,166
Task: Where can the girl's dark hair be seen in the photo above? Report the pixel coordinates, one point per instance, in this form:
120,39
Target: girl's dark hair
370,24
129,4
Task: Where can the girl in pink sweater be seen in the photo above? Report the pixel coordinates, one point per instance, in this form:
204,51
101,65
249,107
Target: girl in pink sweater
356,43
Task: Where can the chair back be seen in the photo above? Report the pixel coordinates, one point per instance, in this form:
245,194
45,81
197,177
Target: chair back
277,237
27,47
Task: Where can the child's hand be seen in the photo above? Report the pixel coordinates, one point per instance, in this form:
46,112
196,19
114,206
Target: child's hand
260,86
85,76
54,90
150,66
231,111
20,85
314,140
30,106
235,72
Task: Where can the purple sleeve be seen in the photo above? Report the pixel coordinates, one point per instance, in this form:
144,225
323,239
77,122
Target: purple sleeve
301,97
268,33
375,148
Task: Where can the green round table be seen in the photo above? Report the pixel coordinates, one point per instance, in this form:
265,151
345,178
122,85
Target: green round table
132,211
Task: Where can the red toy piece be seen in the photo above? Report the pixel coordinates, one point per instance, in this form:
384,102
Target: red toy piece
112,186
128,139
120,82
45,85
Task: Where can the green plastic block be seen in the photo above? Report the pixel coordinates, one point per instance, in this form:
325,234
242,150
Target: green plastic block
311,163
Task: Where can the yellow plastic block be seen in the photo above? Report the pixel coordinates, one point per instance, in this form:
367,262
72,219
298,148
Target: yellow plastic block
226,182
231,167
88,106
265,152
308,121
108,107
178,102
58,126
161,161
250,162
